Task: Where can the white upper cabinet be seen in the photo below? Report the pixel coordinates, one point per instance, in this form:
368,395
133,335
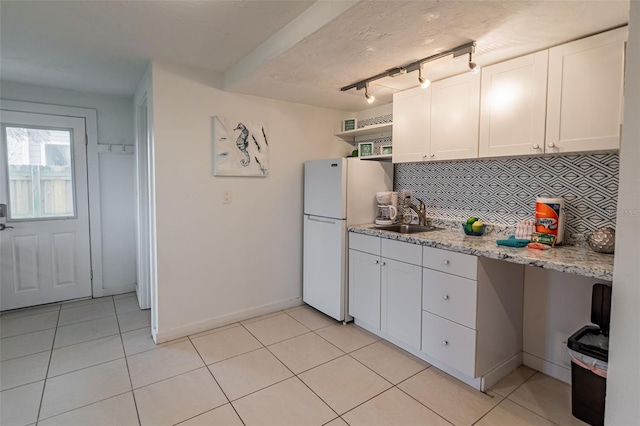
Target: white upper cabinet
512,114
565,99
584,103
455,111
411,125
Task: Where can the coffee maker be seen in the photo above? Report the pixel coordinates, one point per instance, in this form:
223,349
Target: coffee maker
387,208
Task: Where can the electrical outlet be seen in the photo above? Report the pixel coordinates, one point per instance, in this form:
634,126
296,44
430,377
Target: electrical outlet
228,196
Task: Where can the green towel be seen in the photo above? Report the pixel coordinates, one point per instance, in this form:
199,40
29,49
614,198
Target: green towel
512,242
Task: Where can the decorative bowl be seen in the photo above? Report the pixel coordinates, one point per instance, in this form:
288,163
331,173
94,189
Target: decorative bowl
467,230
603,240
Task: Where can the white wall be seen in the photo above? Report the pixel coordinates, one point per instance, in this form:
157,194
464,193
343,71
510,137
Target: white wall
556,305
374,112
115,126
221,262
115,114
623,381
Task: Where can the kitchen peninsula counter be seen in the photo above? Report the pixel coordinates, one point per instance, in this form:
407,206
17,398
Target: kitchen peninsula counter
577,260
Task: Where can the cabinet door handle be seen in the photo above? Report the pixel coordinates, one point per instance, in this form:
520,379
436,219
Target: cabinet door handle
424,156
445,262
377,262
445,343
551,145
445,297
384,263
432,155
536,146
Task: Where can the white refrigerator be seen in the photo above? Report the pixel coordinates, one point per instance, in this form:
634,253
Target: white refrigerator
338,192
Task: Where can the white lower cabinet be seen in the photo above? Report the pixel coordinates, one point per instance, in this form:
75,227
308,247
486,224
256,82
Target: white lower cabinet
451,343
401,301
364,287
472,311
385,293
461,313
450,296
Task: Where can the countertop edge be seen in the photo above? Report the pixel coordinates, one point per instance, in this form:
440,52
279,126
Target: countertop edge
454,241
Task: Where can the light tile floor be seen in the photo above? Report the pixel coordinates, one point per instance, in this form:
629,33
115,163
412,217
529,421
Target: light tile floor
93,362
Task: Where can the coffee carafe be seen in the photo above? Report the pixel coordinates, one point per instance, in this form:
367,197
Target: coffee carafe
387,208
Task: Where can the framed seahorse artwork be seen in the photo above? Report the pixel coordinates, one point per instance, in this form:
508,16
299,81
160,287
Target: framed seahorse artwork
240,147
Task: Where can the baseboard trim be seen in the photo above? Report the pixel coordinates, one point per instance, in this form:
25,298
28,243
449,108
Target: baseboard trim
162,336
554,370
501,371
471,381
127,288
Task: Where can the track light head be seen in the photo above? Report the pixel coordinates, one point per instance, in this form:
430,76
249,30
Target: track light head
416,65
370,98
475,68
424,82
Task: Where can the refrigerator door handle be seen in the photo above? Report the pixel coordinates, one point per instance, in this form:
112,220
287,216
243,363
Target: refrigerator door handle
316,219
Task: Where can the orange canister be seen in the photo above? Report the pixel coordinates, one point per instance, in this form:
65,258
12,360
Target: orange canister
550,217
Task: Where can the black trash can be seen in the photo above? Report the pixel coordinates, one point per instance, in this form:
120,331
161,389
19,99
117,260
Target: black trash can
589,350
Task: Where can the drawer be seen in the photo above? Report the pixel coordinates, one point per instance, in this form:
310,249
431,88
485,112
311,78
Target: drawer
365,243
464,265
450,296
404,252
449,343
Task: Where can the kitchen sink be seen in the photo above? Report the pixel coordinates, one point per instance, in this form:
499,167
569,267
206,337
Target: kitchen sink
407,229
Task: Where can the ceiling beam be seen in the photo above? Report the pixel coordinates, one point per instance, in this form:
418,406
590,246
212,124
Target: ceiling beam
305,24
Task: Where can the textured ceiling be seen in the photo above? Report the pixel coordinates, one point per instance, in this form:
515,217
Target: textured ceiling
296,51
104,46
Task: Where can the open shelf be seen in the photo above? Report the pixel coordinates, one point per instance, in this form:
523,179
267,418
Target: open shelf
350,135
385,157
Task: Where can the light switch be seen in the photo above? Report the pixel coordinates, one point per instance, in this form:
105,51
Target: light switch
228,196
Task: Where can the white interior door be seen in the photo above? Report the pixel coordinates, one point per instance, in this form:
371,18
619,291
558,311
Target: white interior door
44,243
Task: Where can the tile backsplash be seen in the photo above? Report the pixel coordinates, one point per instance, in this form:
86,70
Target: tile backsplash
387,118
503,191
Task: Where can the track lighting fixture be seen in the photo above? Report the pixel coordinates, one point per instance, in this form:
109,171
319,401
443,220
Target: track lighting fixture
424,82
475,68
417,65
370,98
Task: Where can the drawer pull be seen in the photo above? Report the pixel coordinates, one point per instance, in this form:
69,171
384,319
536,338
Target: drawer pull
445,297
445,343
445,262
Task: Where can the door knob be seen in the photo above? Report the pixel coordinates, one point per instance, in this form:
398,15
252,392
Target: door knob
445,297
536,146
445,262
445,343
551,145
377,262
432,155
3,227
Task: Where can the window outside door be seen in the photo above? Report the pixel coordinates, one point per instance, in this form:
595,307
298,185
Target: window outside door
44,234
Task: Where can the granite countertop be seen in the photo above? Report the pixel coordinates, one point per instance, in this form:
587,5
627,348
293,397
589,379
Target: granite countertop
577,260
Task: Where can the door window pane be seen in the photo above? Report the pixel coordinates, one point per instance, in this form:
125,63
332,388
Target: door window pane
40,173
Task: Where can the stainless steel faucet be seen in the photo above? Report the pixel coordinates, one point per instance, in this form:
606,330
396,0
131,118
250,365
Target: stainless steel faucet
420,211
